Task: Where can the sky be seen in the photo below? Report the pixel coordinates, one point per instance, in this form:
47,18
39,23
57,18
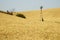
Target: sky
22,5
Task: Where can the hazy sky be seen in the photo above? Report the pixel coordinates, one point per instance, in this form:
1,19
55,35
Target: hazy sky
21,5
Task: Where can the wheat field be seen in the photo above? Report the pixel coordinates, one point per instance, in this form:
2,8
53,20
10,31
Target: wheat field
31,28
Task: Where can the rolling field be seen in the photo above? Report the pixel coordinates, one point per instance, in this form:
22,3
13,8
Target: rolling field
31,28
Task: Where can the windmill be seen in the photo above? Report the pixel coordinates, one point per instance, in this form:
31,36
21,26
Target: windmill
41,14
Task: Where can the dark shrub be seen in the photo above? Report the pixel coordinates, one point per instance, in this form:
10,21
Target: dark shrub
21,15
2,11
42,19
10,13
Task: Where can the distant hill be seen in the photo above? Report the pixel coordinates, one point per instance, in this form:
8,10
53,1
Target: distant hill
31,28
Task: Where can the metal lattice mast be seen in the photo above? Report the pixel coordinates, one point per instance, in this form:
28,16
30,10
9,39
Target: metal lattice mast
41,14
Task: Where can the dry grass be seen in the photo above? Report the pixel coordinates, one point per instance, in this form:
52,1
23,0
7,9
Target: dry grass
31,28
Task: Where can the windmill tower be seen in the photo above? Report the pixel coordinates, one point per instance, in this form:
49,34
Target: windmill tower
41,13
